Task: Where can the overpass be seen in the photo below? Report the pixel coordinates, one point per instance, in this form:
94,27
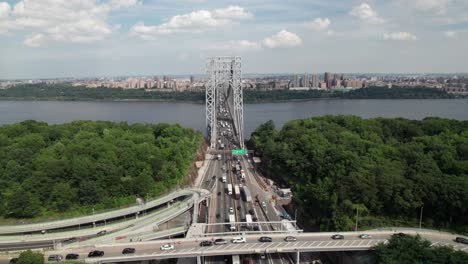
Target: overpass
306,242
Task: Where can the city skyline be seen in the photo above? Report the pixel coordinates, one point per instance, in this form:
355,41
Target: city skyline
55,39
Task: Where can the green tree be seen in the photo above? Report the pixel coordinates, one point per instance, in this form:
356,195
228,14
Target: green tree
30,257
23,204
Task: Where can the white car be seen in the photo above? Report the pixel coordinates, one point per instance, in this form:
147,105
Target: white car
167,247
231,210
365,236
237,240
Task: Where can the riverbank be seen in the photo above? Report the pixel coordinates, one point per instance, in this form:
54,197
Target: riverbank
64,92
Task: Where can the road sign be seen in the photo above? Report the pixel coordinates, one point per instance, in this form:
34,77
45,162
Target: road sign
238,151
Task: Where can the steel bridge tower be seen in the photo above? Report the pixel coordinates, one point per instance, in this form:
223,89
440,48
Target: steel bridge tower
224,84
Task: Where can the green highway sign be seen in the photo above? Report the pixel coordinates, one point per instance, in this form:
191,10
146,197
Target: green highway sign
238,151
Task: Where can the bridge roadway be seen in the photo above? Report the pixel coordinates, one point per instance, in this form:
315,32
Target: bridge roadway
89,219
306,242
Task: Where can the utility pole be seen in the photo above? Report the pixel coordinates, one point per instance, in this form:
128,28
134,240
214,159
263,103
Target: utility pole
357,215
420,217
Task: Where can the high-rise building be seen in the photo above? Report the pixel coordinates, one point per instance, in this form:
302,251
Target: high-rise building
328,80
306,80
315,81
296,81
192,79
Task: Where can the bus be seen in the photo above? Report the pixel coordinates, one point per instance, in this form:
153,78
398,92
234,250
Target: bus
247,195
232,221
236,191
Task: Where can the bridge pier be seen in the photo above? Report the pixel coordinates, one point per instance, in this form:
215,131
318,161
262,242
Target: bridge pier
296,257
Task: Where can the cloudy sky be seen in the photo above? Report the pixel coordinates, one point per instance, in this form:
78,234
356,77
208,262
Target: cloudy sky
79,38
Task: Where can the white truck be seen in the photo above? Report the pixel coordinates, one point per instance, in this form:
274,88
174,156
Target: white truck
235,259
224,177
232,221
219,156
248,220
229,189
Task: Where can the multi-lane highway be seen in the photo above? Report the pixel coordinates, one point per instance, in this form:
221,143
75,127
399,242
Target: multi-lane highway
305,242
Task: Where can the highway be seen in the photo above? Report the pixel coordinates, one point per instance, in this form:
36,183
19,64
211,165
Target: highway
306,242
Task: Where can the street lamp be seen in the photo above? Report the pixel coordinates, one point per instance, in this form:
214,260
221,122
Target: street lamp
420,216
357,215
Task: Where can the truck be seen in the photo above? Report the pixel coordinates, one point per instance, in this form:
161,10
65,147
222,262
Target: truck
246,194
224,177
232,221
219,156
222,146
236,191
287,226
248,220
235,259
229,189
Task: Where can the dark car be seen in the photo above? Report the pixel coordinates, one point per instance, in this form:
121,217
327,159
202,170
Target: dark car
95,253
128,251
72,256
101,233
206,243
265,239
55,258
337,236
400,235
220,241
461,240
70,240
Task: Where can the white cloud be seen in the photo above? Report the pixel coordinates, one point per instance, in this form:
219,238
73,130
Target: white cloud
319,24
237,45
79,21
399,36
365,13
5,9
196,21
450,34
35,40
282,39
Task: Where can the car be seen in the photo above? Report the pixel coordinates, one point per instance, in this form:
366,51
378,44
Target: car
206,243
263,204
251,211
262,256
128,251
167,247
219,193
95,253
337,236
461,240
72,256
265,239
220,241
290,239
101,233
237,240
55,258
400,234
13,260
70,240
365,236
231,210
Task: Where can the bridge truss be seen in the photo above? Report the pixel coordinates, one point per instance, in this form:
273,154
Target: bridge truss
224,85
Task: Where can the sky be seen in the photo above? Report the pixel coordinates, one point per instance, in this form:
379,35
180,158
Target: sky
92,38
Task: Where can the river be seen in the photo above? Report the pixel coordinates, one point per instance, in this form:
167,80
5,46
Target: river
193,115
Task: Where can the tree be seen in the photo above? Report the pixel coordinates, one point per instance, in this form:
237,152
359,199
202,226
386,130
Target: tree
29,257
23,204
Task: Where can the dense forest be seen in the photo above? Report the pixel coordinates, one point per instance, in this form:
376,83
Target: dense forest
68,92
387,170
47,170
415,250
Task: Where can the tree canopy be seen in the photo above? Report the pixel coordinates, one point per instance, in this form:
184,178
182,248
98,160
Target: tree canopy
415,250
47,169
387,169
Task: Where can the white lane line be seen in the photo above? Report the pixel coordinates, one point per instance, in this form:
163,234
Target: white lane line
346,241
295,244
303,244
320,244
328,244
312,243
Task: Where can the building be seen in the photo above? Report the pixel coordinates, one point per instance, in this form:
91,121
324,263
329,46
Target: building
315,80
296,81
306,80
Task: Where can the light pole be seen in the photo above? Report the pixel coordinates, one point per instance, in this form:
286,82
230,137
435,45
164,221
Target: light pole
357,215
420,217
